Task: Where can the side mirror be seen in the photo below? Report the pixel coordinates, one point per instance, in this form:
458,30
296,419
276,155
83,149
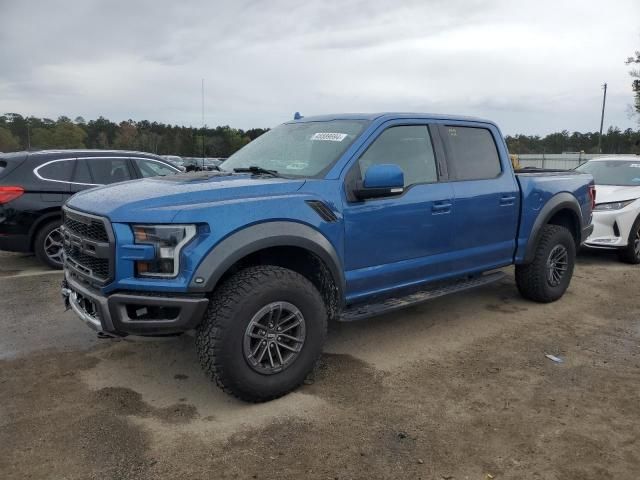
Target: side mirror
382,180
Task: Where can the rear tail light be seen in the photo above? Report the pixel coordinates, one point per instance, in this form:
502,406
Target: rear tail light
592,196
10,193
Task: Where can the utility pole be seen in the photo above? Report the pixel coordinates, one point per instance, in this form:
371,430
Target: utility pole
203,124
604,101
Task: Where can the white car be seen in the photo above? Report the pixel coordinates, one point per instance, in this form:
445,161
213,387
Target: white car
616,218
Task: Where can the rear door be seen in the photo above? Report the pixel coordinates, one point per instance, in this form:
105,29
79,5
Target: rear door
486,197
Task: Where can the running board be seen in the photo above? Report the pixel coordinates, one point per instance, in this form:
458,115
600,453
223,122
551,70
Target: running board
360,312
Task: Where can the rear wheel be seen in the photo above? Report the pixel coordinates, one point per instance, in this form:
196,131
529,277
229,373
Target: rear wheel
48,244
263,333
631,253
547,277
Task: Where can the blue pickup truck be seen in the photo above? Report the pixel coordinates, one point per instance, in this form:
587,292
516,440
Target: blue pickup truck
337,217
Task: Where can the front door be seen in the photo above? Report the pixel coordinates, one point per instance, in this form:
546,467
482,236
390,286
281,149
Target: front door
399,241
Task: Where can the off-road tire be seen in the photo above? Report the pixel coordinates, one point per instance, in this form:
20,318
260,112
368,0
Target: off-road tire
629,254
219,339
531,278
39,247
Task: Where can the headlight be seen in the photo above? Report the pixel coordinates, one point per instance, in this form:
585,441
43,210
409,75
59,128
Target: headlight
613,205
168,240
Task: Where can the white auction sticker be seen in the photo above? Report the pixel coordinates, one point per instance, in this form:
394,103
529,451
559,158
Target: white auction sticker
329,137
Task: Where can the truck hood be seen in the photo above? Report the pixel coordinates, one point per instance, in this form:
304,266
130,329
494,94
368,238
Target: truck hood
160,199
615,193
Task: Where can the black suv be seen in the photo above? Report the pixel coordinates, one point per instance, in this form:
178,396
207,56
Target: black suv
34,185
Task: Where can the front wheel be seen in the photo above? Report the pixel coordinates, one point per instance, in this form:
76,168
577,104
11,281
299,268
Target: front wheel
631,253
263,333
547,277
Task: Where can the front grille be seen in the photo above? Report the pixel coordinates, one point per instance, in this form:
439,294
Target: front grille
91,228
98,267
88,246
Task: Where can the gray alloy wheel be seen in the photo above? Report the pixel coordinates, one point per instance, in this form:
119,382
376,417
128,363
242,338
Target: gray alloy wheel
53,248
274,337
557,263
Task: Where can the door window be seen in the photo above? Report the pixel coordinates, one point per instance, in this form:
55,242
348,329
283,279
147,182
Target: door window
153,168
82,175
472,153
409,147
109,170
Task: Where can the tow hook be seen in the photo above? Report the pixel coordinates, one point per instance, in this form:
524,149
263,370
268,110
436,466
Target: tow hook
66,293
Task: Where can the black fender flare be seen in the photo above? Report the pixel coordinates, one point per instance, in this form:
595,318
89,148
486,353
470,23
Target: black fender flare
258,237
560,201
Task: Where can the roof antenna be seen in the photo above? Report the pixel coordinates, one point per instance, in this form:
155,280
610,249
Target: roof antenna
297,116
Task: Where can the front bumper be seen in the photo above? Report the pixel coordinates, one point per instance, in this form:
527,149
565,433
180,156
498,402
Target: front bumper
611,228
123,314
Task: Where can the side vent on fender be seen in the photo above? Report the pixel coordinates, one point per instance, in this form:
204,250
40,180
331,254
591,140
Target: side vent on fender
323,210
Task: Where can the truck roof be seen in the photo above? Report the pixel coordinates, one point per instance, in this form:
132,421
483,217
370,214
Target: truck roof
388,116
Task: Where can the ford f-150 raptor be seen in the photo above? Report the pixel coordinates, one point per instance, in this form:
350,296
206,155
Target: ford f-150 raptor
337,217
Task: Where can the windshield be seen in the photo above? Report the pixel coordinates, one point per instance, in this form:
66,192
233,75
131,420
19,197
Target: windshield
306,149
613,172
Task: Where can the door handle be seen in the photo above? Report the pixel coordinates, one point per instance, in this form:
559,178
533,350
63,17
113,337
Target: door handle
507,200
442,206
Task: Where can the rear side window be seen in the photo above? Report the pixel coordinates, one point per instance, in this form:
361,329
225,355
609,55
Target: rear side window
109,170
57,170
471,153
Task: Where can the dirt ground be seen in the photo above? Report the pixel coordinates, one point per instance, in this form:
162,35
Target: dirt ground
458,388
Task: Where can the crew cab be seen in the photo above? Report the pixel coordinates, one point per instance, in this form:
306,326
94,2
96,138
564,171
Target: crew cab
336,217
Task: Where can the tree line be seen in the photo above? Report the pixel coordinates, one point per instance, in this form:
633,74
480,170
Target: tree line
32,133
613,141
23,133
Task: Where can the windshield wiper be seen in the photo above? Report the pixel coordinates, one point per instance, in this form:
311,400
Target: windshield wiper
257,170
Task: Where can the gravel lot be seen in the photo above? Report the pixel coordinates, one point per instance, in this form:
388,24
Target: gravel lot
458,388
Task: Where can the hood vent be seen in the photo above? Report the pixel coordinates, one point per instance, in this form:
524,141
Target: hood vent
323,210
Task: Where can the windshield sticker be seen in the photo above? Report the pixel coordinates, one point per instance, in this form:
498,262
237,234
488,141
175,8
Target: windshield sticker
297,166
635,165
329,137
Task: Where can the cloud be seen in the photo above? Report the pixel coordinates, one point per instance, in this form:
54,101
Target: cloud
534,67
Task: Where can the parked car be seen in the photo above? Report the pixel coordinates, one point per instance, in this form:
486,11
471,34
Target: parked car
616,217
34,185
176,161
337,217
199,163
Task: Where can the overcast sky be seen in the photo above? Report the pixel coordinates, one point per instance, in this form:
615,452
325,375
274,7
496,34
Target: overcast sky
532,66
